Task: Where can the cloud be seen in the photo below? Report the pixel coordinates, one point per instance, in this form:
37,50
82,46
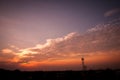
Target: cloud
14,47
9,65
7,51
7,55
112,12
103,39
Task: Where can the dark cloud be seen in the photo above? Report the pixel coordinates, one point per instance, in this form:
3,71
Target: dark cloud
9,65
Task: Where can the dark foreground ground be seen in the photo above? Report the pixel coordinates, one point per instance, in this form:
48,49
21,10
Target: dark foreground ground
60,75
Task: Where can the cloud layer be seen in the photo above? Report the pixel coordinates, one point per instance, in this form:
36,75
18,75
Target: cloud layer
103,39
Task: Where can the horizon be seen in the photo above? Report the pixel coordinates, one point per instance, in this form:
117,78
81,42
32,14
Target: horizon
105,69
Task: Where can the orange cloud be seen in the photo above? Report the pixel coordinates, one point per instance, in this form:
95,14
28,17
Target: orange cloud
7,51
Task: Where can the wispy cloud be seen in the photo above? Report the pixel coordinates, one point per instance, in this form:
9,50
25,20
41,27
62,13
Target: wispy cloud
112,12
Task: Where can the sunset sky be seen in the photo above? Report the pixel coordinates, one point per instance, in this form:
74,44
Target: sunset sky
55,34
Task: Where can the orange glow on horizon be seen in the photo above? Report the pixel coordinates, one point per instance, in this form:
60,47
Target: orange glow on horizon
49,63
93,60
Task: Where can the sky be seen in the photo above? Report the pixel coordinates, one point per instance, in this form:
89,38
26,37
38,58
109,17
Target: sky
54,34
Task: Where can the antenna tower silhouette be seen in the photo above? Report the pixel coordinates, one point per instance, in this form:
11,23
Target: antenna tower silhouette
83,64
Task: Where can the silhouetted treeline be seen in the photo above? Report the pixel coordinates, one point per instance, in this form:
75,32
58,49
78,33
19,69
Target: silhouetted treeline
107,74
